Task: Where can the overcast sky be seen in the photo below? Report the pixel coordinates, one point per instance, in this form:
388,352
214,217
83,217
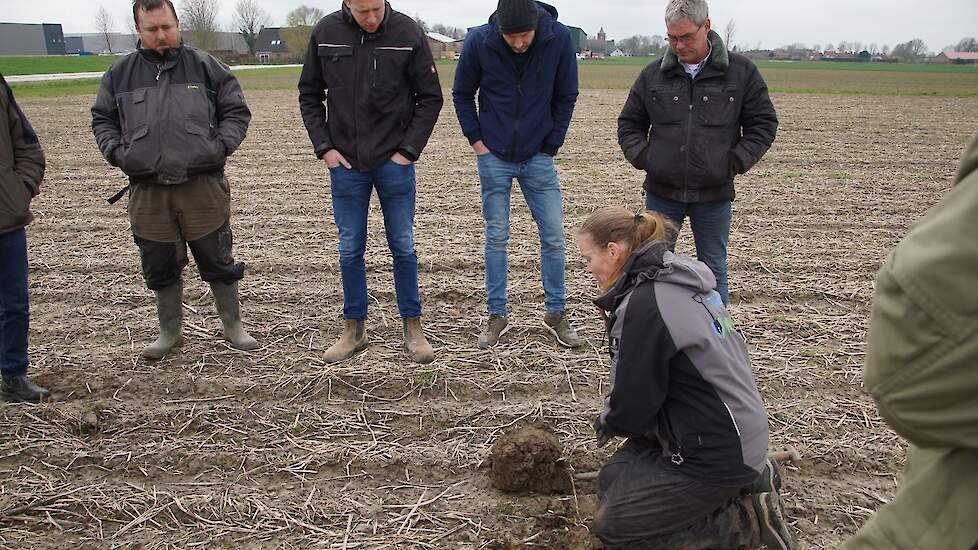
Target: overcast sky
770,23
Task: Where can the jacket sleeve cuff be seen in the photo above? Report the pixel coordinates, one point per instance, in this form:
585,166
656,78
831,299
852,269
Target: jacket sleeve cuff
322,149
548,149
409,153
474,137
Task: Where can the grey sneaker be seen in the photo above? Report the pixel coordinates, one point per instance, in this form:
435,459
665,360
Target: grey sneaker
775,533
496,327
557,324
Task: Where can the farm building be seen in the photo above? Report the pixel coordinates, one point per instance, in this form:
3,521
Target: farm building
442,46
270,45
93,42
961,58
579,37
31,39
221,43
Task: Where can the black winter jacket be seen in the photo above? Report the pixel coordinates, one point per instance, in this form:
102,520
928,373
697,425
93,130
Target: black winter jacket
165,118
692,136
383,90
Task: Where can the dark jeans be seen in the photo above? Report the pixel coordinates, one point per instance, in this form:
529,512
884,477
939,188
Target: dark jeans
645,503
14,303
711,231
351,189
163,263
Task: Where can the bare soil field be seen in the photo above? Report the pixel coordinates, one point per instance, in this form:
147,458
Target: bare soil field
217,448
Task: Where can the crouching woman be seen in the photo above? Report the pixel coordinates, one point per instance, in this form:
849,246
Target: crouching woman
694,471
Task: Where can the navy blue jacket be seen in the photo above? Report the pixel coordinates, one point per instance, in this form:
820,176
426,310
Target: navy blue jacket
519,115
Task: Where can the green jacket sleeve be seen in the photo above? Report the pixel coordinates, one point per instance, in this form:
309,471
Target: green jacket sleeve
922,360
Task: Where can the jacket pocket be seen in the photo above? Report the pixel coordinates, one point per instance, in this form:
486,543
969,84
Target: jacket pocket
336,61
389,67
666,105
15,199
194,102
133,113
716,106
202,149
136,156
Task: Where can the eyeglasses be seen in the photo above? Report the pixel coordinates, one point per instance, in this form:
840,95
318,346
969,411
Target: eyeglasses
686,38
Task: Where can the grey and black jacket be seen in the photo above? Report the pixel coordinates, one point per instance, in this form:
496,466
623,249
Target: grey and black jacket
21,163
165,118
680,372
692,136
381,89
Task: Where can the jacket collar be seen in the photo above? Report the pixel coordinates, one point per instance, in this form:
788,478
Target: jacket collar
169,56
719,57
348,17
544,31
646,262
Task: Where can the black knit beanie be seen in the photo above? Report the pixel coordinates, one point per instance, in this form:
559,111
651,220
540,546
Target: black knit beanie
516,16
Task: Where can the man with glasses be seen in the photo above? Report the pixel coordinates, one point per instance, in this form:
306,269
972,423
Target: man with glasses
694,119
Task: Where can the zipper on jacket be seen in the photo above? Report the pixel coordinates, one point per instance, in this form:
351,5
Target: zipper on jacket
675,449
689,137
519,101
159,71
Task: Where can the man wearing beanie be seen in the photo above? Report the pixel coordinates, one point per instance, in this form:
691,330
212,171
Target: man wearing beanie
524,67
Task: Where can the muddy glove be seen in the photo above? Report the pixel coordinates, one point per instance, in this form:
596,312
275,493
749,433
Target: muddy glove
601,432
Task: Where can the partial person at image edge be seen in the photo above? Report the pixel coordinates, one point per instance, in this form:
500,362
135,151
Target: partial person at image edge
922,371
21,173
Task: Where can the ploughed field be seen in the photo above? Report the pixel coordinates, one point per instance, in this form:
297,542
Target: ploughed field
212,447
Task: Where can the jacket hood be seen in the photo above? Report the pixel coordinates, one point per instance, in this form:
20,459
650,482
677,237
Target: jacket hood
348,17
654,261
545,10
969,162
719,57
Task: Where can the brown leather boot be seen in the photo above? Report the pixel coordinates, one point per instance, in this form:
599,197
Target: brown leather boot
415,343
353,339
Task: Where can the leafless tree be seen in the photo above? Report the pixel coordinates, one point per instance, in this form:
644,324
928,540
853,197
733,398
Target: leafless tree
911,50
300,22
199,19
104,25
249,19
728,33
967,45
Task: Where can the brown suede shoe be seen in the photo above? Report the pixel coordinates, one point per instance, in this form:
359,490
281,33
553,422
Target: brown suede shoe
353,340
415,343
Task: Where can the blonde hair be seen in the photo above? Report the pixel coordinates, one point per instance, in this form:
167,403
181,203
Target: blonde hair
631,231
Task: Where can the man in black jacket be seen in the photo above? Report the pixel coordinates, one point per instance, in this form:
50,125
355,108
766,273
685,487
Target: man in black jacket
169,115
694,119
373,68
21,173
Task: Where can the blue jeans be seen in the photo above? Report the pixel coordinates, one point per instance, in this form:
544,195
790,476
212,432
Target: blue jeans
711,231
351,189
14,304
538,181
